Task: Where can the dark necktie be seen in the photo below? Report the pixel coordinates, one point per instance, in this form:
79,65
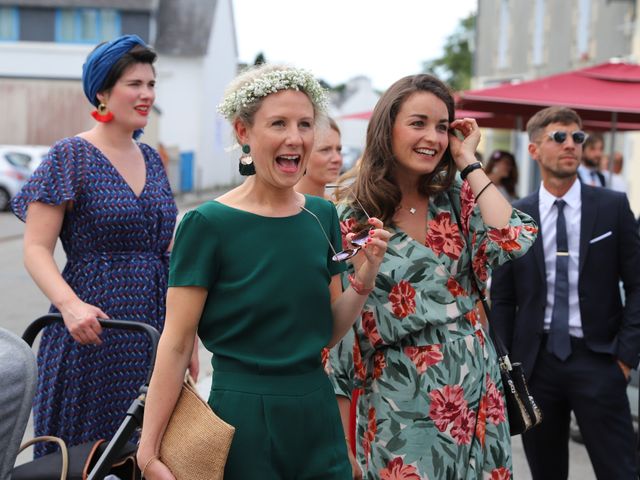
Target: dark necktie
597,179
559,343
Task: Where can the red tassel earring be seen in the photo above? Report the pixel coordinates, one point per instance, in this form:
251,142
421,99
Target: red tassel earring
101,114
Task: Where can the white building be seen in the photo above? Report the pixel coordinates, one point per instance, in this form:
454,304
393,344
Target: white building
351,109
197,59
43,44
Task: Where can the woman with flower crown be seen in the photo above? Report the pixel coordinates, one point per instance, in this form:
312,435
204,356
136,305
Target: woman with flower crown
431,402
252,272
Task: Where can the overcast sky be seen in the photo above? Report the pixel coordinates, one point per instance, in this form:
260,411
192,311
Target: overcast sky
340,39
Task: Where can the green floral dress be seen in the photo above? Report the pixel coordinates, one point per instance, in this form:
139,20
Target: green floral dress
432,405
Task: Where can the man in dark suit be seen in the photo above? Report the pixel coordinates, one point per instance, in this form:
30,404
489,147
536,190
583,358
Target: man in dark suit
592,153
560,311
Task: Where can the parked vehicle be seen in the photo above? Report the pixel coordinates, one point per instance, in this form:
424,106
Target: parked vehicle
13,173
29,156
17,163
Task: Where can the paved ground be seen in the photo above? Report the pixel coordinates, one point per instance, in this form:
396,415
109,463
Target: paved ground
21,302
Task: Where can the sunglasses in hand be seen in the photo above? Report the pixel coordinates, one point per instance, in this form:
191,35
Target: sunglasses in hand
358,241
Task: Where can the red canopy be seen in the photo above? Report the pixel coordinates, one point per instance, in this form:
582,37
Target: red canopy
602,95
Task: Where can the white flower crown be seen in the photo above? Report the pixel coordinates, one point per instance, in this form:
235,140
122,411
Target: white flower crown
272,82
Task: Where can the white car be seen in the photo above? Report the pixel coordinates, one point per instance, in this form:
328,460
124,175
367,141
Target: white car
29,156
17,163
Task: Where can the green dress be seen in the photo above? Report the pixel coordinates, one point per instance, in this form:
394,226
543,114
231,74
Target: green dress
432,405
266,318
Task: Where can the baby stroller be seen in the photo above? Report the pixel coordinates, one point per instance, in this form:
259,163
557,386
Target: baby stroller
95,460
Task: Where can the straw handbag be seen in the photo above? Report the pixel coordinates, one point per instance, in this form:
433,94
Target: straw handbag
196,441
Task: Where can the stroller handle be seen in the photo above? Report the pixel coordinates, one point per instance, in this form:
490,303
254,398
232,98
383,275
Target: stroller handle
38,324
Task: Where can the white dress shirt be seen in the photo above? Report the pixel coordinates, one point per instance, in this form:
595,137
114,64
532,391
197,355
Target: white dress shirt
548,217
613,181
590,176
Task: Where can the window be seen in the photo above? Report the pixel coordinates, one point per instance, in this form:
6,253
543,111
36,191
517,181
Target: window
583,28
503,34
9,25
87,25
17,159
538,33
110,24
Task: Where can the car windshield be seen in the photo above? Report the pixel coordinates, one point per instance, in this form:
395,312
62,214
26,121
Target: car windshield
18,159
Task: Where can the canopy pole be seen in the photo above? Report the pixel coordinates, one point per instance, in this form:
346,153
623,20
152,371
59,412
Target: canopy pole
612,147
516,139
523,161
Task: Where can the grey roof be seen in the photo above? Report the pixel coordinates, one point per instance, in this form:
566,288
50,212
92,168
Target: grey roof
136,5
184,26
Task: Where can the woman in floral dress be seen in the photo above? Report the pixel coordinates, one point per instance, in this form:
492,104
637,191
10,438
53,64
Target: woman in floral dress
432,405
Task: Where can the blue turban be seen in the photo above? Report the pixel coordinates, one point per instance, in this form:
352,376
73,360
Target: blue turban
100,61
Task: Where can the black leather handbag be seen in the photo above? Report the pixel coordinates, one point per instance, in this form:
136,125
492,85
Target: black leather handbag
522,410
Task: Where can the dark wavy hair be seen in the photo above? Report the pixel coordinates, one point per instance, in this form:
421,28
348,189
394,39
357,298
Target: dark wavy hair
375,185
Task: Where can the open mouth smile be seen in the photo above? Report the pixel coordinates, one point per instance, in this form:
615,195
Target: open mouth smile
288,163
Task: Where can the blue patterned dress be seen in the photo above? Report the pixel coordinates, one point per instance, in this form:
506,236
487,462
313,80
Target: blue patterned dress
116,246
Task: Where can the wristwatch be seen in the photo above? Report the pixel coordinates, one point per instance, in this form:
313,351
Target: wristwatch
468,169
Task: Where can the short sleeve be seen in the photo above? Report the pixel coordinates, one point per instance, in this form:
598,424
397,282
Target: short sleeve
193,259
336,240
56,180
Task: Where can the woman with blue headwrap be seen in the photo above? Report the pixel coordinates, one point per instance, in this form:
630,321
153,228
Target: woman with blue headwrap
108,199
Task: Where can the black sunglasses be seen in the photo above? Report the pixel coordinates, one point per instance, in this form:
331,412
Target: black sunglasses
358,241
559,136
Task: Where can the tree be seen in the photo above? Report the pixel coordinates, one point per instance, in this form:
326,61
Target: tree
324,84
260,59
454,66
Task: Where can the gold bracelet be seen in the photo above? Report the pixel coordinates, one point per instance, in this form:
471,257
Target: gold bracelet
155,457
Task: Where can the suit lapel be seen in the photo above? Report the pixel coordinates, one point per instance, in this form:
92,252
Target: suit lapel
587,221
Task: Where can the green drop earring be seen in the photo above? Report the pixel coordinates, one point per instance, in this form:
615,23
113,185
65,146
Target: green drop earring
246,166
